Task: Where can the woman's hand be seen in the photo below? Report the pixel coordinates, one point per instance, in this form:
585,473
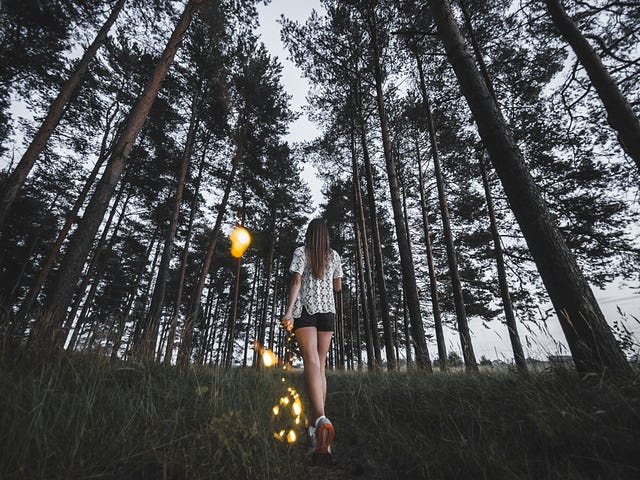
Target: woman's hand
287,321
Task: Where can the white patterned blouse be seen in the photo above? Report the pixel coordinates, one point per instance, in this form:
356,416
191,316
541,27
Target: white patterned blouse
316,294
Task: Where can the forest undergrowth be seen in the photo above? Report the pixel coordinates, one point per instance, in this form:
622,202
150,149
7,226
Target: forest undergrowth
83,416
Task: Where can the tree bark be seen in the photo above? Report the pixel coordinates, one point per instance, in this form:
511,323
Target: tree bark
17,178
124,317
433,280
261,329
590,339
619,113
183,264
152,321
359,215
192,315
516,345
381,284
406,257
33,243
79,246
135,334
45,270
96,267
231,332
461,316
253,303
368,337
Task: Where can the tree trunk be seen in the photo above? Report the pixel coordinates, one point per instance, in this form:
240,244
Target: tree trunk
381,284
17,178
363,298
340,317
433,281
27,304
274,304
262,329
152,322
358,338
461,316
590,339
204,328
231,333
192,315
253,303
518,353
619,113
406,257
476,48
134,337
27,260
208,324
94,271
124,317
359,215
79,246
407,338
183,263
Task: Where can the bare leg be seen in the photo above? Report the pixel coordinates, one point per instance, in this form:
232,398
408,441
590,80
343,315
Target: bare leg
314,379
324,341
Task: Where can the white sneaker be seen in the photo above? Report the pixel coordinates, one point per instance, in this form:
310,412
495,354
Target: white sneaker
324,433
311,434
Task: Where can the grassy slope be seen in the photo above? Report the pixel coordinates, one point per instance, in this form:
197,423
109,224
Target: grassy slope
81,416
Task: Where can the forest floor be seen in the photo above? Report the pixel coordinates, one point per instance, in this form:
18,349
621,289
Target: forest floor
82,416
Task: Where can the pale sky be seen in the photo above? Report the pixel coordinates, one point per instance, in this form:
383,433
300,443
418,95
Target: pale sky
295,84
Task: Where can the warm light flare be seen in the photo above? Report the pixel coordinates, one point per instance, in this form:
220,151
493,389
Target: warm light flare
240,241
288,417
269,358
297,407
288,413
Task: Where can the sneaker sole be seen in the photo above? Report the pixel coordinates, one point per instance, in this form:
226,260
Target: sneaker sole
324,437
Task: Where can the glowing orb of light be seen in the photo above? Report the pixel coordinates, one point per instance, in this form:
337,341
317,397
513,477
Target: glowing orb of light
289,422
240,241
297,407
269,358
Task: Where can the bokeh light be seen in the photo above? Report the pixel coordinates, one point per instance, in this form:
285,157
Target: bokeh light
240,241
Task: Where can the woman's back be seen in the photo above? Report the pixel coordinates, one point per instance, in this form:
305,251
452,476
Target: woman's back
316,294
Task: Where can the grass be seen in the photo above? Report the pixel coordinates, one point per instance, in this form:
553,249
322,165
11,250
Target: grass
81,416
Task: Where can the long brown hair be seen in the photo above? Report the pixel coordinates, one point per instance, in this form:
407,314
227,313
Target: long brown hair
316,244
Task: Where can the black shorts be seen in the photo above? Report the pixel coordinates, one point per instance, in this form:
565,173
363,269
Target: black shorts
322,321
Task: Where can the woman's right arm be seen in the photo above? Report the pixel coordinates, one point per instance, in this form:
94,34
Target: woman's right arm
296,281
337,273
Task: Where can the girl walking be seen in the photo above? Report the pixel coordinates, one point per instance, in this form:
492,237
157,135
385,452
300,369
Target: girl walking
317,273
